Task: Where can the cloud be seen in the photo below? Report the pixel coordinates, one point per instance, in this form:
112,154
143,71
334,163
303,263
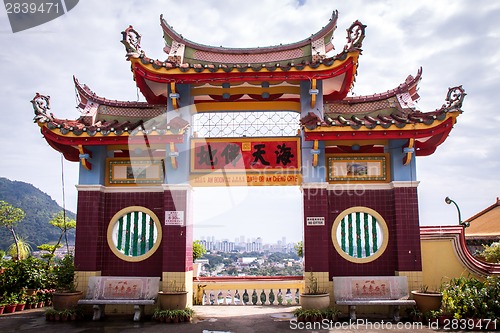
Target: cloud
456,42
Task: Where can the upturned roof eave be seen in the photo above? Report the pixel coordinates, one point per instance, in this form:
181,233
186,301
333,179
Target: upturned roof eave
326,30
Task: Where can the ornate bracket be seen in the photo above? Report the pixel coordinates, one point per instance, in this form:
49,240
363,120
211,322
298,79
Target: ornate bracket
315,151
355,36
409,150
313,92
174,96
454,98
85,154
132,41
173,155
41,106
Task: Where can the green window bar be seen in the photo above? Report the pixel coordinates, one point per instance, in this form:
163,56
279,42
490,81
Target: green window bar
361,238
374,234
120,234
349,225
151,234
143,233
135,233
359,254
127,236
342,235
367,235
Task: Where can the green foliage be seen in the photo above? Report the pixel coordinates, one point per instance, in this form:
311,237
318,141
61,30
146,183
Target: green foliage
330,313
198,250
491,253
178,315
63,223
312,285
30,273
472,298
299,248
9,218
24,249
10,215
38,208
64,274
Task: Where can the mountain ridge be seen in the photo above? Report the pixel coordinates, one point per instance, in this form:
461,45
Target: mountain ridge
39,208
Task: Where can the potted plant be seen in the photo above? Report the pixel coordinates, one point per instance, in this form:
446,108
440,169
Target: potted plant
66,296
427,300
10,301
198,252
173,298
173,316
314,298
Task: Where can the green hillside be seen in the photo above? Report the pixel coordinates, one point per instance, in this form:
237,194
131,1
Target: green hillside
39,209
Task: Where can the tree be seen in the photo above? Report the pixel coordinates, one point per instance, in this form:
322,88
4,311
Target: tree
63,223
198,250
20,250
299,248
9,217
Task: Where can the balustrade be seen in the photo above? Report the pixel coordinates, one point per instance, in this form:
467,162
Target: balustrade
281,291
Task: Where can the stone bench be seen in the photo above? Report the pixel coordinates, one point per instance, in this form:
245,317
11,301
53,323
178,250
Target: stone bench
372,290
119,290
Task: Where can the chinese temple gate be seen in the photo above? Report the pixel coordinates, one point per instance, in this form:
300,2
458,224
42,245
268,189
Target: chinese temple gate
275,115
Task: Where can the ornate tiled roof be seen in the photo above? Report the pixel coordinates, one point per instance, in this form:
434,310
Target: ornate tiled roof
181,50
395,107
185,55
103,117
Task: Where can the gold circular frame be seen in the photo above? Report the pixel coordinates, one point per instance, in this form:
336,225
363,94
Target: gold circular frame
383,226
112,223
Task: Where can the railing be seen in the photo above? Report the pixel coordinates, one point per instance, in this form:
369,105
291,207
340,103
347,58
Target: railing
283,291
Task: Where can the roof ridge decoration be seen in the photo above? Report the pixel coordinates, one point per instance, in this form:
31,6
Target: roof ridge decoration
410,86
41,106
176,44
185,54
85,91
454,99
355,36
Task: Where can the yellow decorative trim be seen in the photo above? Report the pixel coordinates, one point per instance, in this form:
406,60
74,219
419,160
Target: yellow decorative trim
112,162
57,132
174,99
419,126
313,96
85,163
380,220
247,106
351,56
315,156
173,159
245,91
383,159
407,159
115,218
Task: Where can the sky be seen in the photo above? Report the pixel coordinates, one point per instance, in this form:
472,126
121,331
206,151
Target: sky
455,42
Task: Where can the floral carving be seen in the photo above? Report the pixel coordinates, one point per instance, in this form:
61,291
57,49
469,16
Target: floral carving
355,36
131,40
41,106
454,98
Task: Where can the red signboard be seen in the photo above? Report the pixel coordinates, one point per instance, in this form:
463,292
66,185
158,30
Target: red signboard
249,155
241,162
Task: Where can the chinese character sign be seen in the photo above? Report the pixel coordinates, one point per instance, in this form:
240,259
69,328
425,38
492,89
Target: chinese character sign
241,162
245,155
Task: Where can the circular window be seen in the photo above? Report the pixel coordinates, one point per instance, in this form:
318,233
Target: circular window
134,233
360,234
